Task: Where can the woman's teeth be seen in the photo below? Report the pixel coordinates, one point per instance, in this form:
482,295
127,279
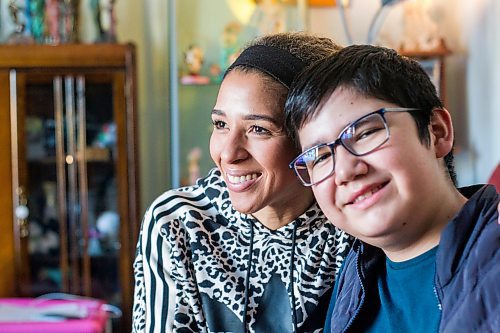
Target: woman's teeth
241,179
367,194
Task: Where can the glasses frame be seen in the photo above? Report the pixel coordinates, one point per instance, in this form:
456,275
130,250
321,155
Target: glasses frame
339,141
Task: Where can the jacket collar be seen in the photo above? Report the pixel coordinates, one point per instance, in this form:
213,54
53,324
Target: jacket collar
462,232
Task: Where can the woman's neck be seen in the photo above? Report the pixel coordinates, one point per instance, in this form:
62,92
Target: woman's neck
277,216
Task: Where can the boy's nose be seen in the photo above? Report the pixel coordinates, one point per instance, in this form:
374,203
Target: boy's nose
348,166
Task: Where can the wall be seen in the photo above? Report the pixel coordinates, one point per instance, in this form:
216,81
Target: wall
483,86
473,77
472,33
145,24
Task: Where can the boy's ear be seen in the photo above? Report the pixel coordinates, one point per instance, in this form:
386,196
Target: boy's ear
441,132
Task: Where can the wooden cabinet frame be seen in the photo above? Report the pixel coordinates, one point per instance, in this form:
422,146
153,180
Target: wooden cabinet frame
114,63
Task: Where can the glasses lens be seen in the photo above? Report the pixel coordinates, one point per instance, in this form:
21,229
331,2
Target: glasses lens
301,166
366,134
315,164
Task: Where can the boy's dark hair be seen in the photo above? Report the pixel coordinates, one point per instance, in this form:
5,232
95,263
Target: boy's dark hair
370,71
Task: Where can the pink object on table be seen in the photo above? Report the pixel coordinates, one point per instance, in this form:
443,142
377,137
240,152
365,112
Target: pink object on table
94,322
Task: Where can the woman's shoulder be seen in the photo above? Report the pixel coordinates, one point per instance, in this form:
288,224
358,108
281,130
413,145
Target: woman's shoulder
192,202
176,202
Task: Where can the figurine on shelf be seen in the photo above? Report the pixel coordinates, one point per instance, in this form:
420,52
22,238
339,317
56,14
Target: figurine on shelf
215,73
105,19
106,138
421,33
193,59
230,43
19,35
194,157
108,227
52,35
68,19
269,17
37,13
44,230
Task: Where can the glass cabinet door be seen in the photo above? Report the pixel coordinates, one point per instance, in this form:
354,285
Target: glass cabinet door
205,37
66,182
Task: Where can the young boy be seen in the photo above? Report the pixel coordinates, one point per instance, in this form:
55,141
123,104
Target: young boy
377,151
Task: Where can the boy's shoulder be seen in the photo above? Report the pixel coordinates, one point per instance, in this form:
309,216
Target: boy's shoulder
474,229
467,263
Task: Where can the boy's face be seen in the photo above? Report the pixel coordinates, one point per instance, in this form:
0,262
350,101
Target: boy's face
386,198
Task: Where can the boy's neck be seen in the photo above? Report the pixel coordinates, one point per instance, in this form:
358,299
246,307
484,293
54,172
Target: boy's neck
430,236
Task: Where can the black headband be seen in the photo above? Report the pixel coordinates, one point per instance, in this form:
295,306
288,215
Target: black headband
278,63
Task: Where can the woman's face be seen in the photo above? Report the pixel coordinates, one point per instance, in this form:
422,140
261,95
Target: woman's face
250,147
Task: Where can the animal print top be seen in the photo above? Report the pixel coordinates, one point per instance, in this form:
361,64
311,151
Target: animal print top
201,266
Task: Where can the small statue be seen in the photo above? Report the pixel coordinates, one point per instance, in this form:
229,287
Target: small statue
215,73
194,157
193,59
420,31
108,228
269,17
37,12
52,35
18,36
105,19
68,21
230,43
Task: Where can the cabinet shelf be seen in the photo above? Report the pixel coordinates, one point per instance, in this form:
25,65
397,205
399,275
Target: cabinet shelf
92,154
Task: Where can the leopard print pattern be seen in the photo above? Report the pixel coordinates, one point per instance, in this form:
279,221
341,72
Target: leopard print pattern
208,247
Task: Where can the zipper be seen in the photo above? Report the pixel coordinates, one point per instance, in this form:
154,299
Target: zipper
439,304
440,307
358,268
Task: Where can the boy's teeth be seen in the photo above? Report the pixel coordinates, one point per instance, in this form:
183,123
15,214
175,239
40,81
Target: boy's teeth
367,194
241,179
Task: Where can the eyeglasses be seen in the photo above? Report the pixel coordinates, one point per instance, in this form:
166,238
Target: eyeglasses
360,137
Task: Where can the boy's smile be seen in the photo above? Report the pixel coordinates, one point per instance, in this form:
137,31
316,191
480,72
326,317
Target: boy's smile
383,197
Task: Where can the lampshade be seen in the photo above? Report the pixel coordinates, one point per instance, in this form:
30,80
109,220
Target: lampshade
242,9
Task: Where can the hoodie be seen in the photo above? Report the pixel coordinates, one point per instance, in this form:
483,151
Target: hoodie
201,266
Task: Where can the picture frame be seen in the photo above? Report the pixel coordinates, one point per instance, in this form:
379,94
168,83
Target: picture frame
315,3
323,3
433,68
434,64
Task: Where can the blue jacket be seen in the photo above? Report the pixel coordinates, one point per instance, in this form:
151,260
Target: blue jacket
467,280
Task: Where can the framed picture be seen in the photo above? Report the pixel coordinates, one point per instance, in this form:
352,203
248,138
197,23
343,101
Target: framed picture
316,3
322,3
433,62
433,68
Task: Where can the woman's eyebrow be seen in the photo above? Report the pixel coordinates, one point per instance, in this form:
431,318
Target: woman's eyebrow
252,117
218,112
263,117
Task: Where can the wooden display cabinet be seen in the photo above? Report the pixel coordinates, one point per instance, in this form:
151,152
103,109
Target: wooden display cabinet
68,172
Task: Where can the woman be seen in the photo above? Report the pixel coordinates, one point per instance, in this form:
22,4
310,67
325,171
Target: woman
246,249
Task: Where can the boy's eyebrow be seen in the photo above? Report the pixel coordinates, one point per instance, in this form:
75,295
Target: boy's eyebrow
250,117
314,144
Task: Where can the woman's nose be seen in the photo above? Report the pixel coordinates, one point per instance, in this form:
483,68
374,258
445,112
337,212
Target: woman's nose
234,148
348,166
